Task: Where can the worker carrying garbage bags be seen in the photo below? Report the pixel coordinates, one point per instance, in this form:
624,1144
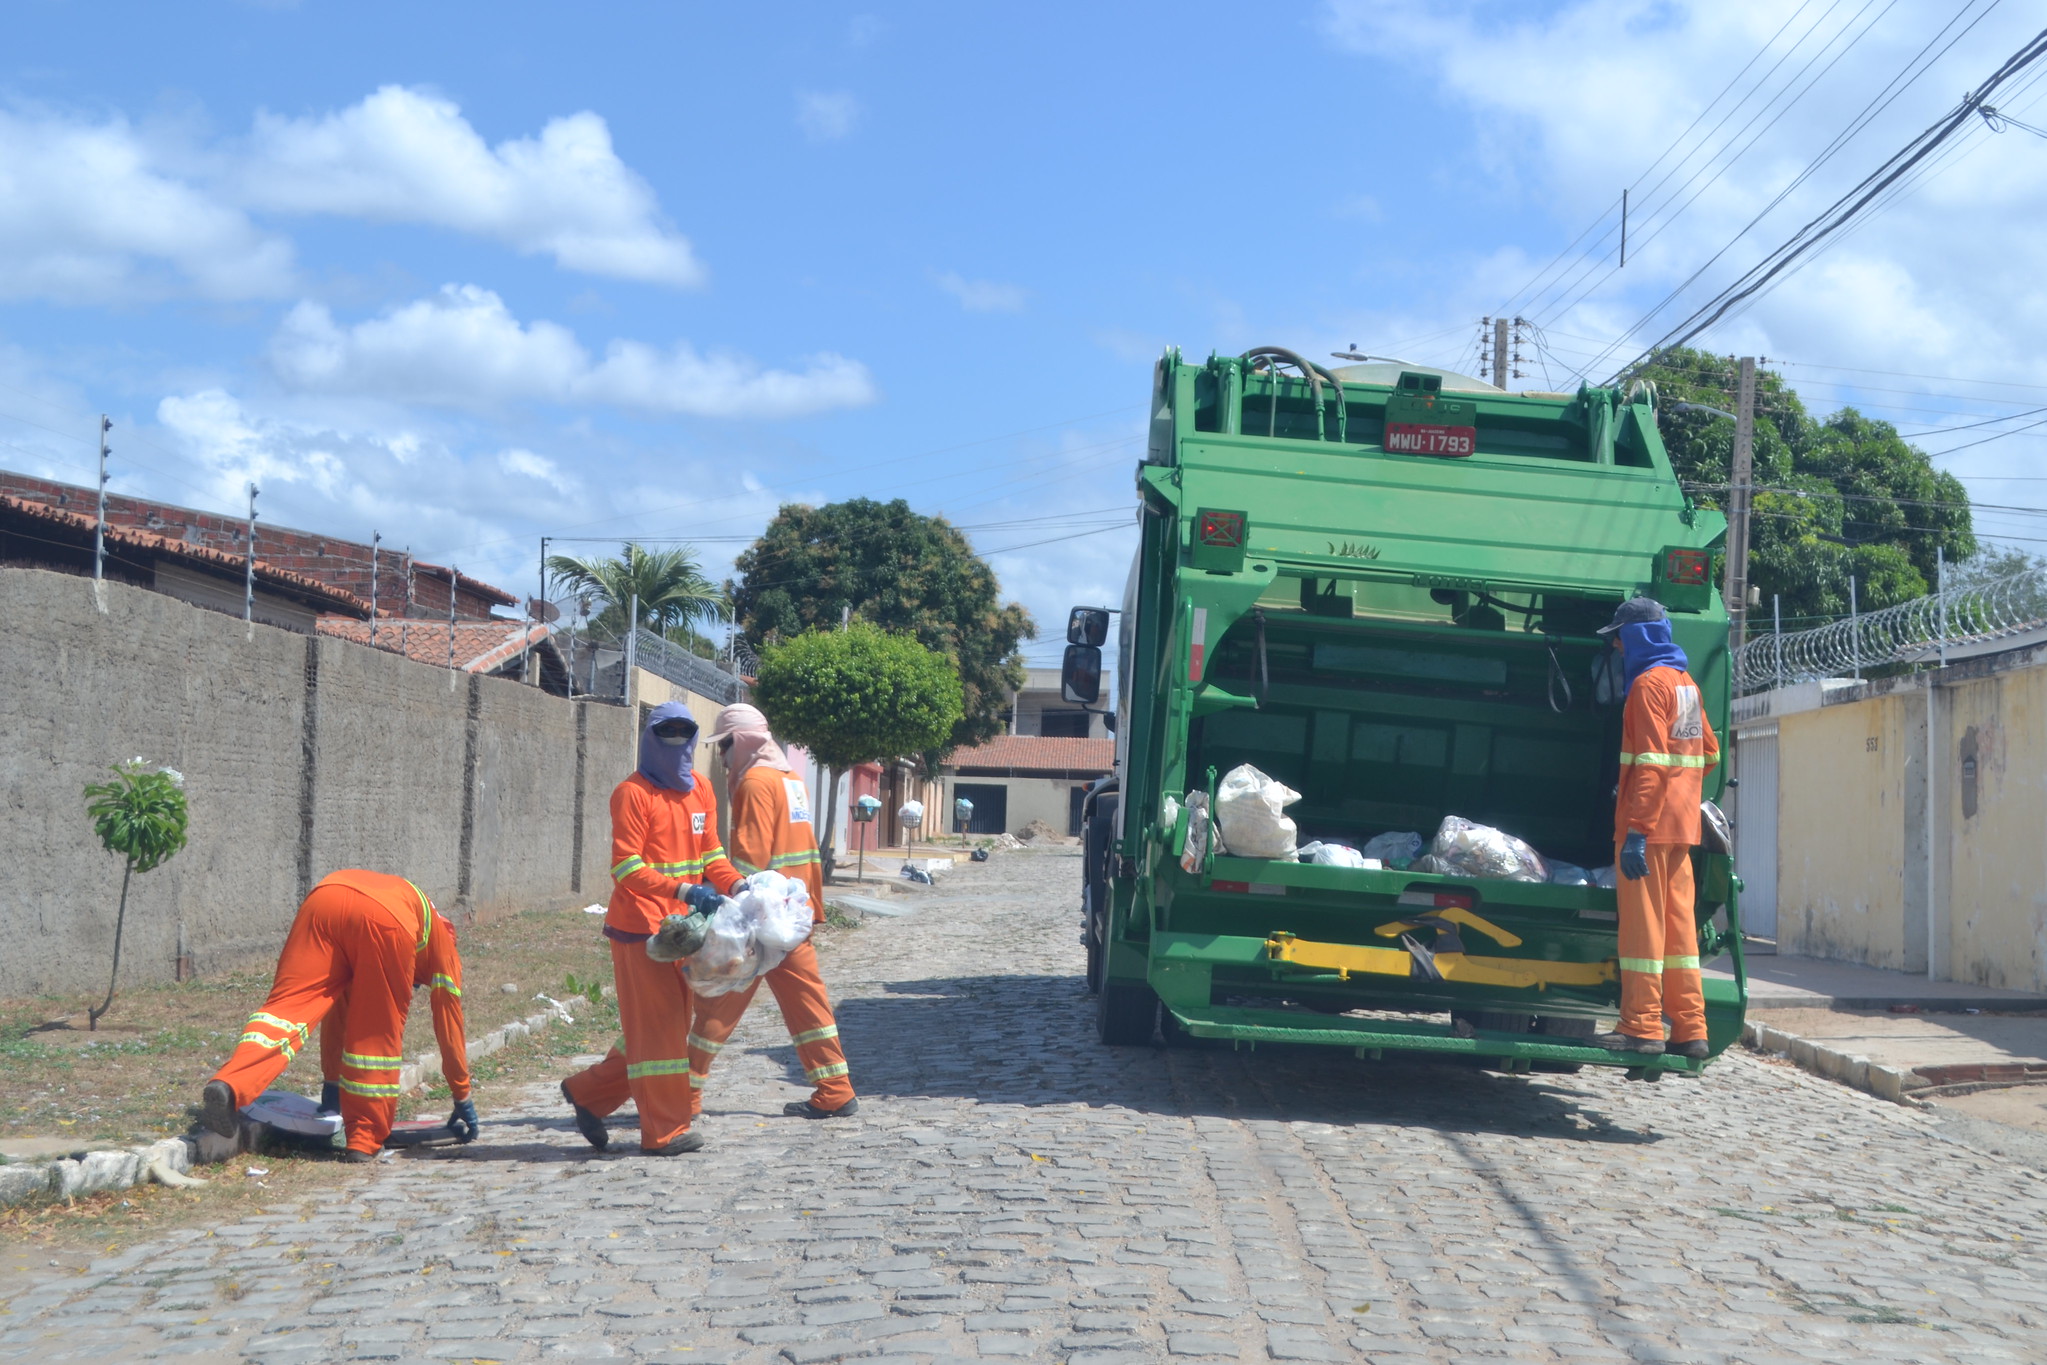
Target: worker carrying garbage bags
1666,746
665,854
772,830
360,944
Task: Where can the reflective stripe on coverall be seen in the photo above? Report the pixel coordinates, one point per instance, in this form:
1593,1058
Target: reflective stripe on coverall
361,935
1667,744
771,828
661,839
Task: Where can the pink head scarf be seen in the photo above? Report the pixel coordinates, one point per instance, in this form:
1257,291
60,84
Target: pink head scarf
752,745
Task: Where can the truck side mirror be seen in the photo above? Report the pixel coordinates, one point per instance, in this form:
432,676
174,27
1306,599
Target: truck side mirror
1080,675
1087,626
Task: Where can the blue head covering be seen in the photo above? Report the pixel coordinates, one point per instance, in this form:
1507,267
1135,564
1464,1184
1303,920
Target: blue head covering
1646,645
668,765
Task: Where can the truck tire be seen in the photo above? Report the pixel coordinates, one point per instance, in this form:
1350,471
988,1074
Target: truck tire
1093,934
1126,1012
1561,1026
1096,859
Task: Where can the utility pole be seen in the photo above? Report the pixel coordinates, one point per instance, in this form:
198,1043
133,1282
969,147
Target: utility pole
453,574
1740,492
99,531
1501,366
376,539
249,575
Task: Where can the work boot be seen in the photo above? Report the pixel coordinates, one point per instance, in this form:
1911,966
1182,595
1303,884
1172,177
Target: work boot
1626,1042
686,1141
330,1098
804,1109
217,1109
1696,1049
588,1124
354,1158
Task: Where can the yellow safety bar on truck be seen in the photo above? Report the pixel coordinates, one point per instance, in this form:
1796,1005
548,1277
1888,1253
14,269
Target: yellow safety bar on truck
1518,972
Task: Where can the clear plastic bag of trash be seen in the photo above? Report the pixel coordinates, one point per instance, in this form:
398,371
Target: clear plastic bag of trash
1602,876
1474,850
750,934
1249,810
1333,855
1568,874
1396,848
1200,832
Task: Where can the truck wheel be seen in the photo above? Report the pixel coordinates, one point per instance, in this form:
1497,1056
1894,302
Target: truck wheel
1097,958
1126,1012
1562,1026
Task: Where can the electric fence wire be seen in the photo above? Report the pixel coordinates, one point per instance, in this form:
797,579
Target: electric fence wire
1817,232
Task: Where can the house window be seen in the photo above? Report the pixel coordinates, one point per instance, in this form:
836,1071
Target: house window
1063,724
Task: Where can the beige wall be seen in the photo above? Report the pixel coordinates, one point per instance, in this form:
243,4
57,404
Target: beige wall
1842,836
1997,858
651,690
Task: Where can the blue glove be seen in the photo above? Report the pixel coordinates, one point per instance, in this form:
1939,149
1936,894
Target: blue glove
463,1123
1635,856
702,896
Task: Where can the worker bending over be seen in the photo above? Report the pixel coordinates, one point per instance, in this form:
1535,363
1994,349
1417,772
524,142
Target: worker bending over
360,943
772,831
1666,746
664,849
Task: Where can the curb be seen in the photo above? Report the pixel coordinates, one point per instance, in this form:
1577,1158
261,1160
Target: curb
1848,1068
121,1168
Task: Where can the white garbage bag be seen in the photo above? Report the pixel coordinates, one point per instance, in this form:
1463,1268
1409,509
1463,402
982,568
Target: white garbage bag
1334,855
1200,834
750,934
1248,809
1602,876
1396,848
1466,849
1568,874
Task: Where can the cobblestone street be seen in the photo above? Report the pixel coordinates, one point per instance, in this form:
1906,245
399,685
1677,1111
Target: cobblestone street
1013,1190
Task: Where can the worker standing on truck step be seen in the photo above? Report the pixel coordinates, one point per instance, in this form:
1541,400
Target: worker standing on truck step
360,944
772,831
664,849
1666,746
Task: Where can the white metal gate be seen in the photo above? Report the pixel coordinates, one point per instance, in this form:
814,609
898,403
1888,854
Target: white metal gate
1755,829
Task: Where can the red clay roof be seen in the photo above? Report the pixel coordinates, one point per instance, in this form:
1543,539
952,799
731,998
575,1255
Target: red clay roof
480,646
1026,754
295,584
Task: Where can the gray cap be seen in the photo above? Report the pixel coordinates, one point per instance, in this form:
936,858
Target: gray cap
1635,611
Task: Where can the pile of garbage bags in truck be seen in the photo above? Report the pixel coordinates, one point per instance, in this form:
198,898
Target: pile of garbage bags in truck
1249,821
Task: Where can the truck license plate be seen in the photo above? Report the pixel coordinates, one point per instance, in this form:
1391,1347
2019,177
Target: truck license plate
1421,438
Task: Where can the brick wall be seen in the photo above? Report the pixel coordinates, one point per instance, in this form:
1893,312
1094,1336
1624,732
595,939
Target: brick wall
331,559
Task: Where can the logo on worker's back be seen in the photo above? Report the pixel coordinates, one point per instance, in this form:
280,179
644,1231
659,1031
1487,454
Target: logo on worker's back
696,822
799,801
1688,724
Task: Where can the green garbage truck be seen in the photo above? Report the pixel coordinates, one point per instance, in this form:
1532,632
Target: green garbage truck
1379,585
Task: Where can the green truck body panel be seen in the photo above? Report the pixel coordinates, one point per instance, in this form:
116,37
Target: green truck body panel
1398,637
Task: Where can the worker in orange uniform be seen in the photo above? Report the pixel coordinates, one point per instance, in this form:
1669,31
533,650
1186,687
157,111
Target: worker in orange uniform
772,831
1667,745
664,849
360,944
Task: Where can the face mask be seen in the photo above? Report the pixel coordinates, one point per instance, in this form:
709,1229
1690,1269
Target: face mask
674,741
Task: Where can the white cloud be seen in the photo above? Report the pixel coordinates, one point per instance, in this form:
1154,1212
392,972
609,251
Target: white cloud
826,116
404,156
525,464
464,348
983,296
86,217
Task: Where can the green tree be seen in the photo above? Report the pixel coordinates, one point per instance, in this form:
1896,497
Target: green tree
883,563
675,597
1839,497
857,695
140,816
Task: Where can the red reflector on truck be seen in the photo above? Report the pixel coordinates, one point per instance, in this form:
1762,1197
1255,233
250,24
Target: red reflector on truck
1224,529
1686,568
1428,898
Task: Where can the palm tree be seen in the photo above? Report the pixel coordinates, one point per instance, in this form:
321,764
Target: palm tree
674,594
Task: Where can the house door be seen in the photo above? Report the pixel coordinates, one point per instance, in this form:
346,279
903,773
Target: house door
1755,830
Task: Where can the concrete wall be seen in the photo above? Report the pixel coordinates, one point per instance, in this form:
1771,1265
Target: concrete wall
1996,863
1030,798
301,754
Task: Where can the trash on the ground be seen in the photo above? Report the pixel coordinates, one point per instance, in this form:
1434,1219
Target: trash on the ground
979,855
1200,830
1568,874
1250,811
1334,855
557,1008
510,988
1396,848
916,874
750,934
255,1171
1469,849
595,910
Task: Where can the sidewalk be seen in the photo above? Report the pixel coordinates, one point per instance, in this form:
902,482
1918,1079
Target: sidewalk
1785,982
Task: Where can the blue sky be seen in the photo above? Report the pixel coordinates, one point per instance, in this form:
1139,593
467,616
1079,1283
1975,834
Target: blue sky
468,275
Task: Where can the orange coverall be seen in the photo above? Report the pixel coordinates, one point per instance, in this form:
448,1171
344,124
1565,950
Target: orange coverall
1667,744
360,943
772,830
660,840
